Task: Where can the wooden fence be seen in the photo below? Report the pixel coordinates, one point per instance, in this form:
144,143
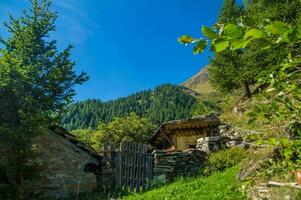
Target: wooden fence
131,166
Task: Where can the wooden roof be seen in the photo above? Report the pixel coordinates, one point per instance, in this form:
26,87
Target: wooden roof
184,125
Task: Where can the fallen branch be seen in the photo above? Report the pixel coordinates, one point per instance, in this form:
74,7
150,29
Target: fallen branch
292,185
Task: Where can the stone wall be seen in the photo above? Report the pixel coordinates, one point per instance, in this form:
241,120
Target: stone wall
169,164
209,144
226,138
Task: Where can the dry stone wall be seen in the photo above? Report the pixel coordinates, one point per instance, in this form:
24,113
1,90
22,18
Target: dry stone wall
175,163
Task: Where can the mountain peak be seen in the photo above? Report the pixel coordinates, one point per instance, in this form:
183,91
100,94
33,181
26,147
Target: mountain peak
199,82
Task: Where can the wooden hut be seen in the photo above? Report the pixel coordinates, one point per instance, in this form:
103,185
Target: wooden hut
183,134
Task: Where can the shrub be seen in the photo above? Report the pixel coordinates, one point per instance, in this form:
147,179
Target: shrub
224,159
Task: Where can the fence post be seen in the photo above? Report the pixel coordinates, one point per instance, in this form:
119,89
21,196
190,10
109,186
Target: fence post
149,169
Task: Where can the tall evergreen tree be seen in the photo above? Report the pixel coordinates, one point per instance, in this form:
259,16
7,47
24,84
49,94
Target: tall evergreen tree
240,69
228,70
230,12
36,82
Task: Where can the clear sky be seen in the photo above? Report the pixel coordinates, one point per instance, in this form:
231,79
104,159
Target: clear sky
127,45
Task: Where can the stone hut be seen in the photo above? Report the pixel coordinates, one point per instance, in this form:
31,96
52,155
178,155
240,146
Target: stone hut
184,134
68,166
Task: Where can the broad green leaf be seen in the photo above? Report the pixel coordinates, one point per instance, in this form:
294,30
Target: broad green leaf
277,28
185,39
254,33
232,31
221,46
239,44
200,46
209,33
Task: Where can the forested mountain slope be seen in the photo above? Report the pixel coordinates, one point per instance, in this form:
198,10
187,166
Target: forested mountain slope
165,102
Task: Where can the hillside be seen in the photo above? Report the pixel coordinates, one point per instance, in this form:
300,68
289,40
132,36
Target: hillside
165,102
199,82
198,188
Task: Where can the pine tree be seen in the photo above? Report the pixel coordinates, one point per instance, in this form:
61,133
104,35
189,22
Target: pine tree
227,69
36,83
230,12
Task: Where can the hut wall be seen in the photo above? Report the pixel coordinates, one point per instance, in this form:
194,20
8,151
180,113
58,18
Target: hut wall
63,171
183,142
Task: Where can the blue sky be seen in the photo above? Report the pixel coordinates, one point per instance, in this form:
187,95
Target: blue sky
127,45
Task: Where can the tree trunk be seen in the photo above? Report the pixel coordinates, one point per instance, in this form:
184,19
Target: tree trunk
248,93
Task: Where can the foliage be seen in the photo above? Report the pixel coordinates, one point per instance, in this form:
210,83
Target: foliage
84,135
281,101
241,67
164,103
129,128
229,12
257,162
36,82
274,10
224,159
229,70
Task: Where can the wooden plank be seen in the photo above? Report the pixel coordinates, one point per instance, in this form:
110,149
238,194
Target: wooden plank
105,157
138,167
121,164
117,171
112,164
131,146
132,165
105,152
149,168
142,164
126,166
112,156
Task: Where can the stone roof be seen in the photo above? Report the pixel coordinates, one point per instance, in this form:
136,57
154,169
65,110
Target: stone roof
195,122
72,138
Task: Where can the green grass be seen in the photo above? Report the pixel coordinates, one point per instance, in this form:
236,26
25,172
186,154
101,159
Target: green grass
219,186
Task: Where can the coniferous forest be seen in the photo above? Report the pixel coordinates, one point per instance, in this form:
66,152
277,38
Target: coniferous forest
164,103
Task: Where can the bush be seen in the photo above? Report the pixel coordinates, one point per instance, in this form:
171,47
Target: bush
224,159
